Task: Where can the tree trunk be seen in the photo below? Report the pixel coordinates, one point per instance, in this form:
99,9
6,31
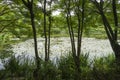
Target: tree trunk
77,68
116,49
112,34
75,54
49,31
45,33
29,5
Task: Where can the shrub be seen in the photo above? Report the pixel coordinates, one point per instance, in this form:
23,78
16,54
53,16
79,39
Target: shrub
22,68
103,68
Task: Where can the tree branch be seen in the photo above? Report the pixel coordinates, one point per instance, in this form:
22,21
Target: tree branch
7,25
25,3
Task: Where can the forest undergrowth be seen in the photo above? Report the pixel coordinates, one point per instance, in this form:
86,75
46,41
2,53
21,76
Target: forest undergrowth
20,68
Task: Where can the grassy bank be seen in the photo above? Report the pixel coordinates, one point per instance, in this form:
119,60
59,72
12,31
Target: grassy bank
99,69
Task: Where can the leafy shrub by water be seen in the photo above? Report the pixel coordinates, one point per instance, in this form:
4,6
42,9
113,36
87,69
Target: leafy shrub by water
99,69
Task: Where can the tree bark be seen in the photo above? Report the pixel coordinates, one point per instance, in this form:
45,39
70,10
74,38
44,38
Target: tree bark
76,55
29,5
112,34
45,33
49,30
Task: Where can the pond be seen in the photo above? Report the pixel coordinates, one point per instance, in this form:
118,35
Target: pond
62,46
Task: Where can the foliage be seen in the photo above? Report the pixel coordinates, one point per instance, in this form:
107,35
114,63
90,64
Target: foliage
15,23
5,46
14,69
67,67
104,68
100,68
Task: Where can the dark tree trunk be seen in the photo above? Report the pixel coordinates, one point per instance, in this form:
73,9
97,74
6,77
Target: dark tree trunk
115,19
70,29
80,19
116,49
112,34
49,30
29,5
45,33
36,72
71,33
34,35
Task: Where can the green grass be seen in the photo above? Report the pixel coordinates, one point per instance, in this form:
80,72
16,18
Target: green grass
99,69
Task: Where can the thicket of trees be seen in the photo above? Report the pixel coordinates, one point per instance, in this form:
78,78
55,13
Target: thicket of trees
111,33
33,18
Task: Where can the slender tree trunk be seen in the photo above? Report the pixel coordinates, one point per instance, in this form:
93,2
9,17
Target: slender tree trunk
35,37
70,29
116,47
36,72
112,34
49,30
115,19
45,33
47,36
29,5
77,61
76,55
